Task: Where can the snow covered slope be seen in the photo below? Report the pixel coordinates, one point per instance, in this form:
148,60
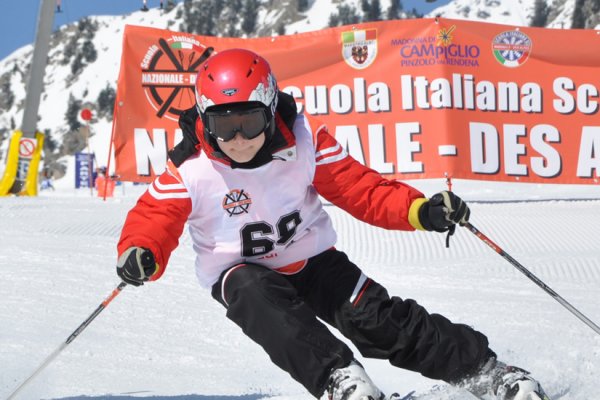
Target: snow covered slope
510,12
169,340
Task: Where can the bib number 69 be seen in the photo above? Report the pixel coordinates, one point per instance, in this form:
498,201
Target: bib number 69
258,237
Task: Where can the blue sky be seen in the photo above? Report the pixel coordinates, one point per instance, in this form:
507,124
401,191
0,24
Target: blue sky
18,18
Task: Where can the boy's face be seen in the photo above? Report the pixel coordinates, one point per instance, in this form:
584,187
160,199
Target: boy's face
240,149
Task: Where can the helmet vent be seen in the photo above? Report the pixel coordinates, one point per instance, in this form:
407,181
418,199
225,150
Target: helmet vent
251,69
211,77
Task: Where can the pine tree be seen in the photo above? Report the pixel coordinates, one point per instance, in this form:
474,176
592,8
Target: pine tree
365,6
394,10
106,101
69,50
374,13
346,15
50,144
7,97
578,21
77,65
591,10
540,13
87,28
249,16
302,5
3,135
200,17
281,29
88,51
169,5
71,116
230,15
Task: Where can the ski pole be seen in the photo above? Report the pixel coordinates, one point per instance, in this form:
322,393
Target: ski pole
534,278
76,333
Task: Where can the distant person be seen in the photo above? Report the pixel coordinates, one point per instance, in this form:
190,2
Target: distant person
247,179
47,178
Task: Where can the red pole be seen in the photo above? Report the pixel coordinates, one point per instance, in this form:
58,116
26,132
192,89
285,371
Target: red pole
110,147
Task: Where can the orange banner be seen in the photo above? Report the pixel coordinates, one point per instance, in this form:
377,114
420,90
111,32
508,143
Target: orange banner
417,98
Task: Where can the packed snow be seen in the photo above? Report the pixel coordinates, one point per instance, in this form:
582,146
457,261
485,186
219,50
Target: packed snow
170,340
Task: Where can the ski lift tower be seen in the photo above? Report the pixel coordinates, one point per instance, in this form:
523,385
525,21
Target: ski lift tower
20,176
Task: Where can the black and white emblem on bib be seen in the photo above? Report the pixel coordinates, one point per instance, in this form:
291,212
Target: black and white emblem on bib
236,202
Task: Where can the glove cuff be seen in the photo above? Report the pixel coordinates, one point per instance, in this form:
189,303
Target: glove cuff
414,218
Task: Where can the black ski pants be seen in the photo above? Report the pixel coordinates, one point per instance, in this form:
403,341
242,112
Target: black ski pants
279,312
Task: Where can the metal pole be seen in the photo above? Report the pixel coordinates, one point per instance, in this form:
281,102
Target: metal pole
76,333
534,278
35,84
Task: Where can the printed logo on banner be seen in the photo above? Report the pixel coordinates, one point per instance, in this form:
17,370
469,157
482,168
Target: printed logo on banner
437,50
511,48
169,70
444,36
236,202
359,47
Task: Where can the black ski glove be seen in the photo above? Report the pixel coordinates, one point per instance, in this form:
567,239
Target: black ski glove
136,265
443,211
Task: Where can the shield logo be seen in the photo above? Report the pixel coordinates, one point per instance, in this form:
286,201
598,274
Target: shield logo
359,47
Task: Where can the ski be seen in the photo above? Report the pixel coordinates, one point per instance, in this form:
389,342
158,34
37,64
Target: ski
438,392
453,393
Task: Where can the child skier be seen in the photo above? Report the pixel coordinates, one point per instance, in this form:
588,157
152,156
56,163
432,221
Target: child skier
247,179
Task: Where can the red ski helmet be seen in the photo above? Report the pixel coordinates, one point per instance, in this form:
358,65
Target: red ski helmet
234,79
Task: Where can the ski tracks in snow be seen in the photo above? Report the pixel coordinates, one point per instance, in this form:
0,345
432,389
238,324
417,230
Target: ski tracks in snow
58,255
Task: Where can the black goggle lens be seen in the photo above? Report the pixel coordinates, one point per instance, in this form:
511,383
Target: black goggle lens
225,125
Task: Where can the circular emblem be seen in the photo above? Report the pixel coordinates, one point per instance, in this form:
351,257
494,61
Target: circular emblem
511,48
169,74
236,202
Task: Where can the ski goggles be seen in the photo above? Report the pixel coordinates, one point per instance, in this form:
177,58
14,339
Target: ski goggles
224,125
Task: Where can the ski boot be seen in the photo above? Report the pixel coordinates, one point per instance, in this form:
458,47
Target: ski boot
498,381
518,384
352,383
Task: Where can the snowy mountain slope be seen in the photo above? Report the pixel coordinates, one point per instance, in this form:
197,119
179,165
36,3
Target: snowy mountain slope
509,12
512,12
170,340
